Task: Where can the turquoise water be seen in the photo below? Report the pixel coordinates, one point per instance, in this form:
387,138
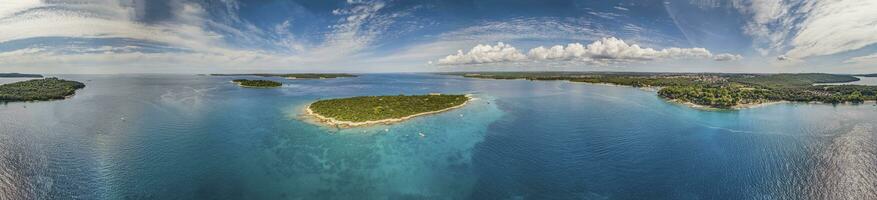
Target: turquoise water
200,137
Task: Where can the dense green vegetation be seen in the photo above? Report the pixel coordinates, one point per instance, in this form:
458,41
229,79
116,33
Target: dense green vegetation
716,89
257,83
39,89
869,75
17,75
370,108
795,80
296,76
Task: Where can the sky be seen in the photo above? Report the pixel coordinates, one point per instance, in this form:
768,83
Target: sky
361,36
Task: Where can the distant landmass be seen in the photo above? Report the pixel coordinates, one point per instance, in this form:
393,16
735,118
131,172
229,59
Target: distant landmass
869,75
19,75
716,90
257,83
39,90
295,76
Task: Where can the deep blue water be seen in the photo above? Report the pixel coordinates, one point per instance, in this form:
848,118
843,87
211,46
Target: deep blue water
201,137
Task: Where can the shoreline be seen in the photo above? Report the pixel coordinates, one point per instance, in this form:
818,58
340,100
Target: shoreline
757,105
244,86
732,108
708,108
332,122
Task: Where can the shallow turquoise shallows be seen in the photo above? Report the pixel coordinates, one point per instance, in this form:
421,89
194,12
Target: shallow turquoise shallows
201,137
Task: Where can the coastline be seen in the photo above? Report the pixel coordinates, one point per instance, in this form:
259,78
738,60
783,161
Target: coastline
756,105
244,86
332,122
646,88
708,108
735,107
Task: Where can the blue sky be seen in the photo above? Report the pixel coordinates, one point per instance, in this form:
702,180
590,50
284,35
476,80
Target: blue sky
217,36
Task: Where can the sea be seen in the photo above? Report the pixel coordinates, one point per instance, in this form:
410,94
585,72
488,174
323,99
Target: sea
151,136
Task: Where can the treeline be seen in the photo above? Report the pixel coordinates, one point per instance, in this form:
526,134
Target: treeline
716,89
298,76
722,96
795,80
729,96
39,89
257,83
774,87
369,108
18,75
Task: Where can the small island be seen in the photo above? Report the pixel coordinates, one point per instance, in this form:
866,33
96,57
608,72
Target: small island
257,83
19,75
39,90
716,90
295,76
369,110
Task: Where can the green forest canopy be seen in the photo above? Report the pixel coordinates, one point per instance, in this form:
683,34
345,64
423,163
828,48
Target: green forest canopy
718,90
39,89
257,83
298,76
369,108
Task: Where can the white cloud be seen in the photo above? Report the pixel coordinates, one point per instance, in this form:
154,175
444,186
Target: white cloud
604,51
727,57
801,29
484,54
836,26
868,59
106,20
201,38
542,28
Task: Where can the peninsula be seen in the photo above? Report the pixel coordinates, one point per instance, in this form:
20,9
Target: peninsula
19,75
369,110
295,76
716,90
38,90
257,83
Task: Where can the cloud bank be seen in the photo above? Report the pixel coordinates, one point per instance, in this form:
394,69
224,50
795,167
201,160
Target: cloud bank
605,51
199,35
807,28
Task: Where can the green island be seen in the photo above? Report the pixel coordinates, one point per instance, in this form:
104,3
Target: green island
716,90
38,90
295,76
367,110
869,75
19,75
257,83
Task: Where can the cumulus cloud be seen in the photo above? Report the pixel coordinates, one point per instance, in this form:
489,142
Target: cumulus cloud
484,54
604,51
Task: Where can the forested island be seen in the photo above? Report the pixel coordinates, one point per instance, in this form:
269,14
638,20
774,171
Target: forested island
367,110
257,83
716,90
295,76
39,90
18,75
